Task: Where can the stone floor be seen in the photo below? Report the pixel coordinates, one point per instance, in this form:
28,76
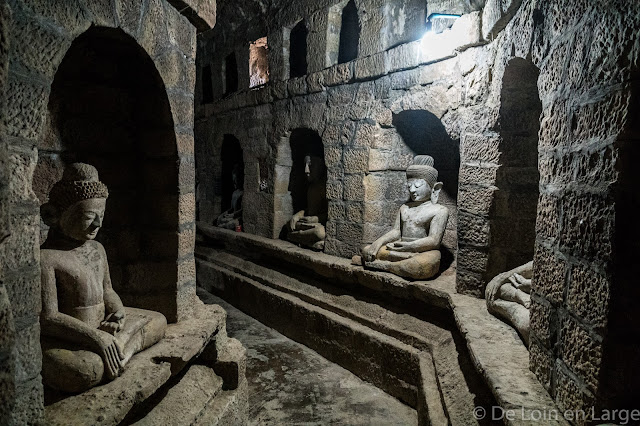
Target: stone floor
291,384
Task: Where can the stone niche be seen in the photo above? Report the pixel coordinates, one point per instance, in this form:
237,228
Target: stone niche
108,107
514,206
419,132
291,182
230,156
507,203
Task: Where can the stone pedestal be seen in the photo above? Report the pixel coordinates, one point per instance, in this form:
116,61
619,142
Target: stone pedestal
155,389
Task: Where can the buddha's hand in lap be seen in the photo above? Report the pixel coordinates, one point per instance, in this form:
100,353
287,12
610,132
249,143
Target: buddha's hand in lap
309,219
111,352
403,246
113,323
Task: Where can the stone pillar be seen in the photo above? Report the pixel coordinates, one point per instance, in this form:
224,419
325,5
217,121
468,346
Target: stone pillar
7,330
317,40
279,54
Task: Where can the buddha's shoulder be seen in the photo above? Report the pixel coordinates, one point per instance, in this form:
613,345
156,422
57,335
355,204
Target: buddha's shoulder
94,245
439,208
53,258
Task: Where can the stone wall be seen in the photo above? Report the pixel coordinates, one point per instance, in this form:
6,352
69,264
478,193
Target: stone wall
41,34
552,81
581,348
364,116
7,327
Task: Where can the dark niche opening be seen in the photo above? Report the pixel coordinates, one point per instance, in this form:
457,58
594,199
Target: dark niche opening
207,85
514,208
303,142
231,156
230,74
108,107
298,50
349,33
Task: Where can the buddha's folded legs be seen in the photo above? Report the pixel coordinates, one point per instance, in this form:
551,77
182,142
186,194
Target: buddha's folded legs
420,266
312,236
514,313
142,329
70,368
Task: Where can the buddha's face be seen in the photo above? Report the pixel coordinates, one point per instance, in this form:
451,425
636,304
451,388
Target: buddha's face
419,189
313,168
83,219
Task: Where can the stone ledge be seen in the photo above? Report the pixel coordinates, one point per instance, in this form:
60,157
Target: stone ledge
144,374
496,350
387,63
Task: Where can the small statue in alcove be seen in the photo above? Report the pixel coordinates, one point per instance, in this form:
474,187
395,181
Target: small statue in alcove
412,248
508,298
87,335
232,218
306,227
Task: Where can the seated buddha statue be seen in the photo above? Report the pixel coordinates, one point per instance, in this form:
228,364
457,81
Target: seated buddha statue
508,298
87,335
411,249
232,217
306,227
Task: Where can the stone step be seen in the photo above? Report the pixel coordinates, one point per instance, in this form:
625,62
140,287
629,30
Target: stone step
187,401
403,355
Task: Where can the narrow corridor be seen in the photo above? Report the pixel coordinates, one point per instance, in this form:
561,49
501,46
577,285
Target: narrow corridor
292,384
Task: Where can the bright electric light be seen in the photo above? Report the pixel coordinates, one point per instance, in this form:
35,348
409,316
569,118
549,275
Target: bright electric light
438,45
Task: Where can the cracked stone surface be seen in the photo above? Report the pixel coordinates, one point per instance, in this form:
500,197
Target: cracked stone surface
291,384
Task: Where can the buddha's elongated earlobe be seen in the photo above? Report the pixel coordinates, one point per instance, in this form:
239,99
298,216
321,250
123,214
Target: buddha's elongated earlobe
435,192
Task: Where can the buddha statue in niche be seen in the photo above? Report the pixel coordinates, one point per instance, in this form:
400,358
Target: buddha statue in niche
306,227
87,335
508,298
232,217
412,248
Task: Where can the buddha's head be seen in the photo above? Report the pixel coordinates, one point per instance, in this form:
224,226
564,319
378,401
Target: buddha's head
77,203
422,180
314,168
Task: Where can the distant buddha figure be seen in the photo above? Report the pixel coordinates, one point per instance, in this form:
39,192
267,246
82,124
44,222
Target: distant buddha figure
232,217
508,298
87,334
412,248
306,227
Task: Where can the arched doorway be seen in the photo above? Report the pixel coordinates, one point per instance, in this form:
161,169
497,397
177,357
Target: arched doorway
514,208
108,107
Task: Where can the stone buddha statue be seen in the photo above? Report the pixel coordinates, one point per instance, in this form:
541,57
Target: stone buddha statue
306,227
87,335
412,248
508,298
232,217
